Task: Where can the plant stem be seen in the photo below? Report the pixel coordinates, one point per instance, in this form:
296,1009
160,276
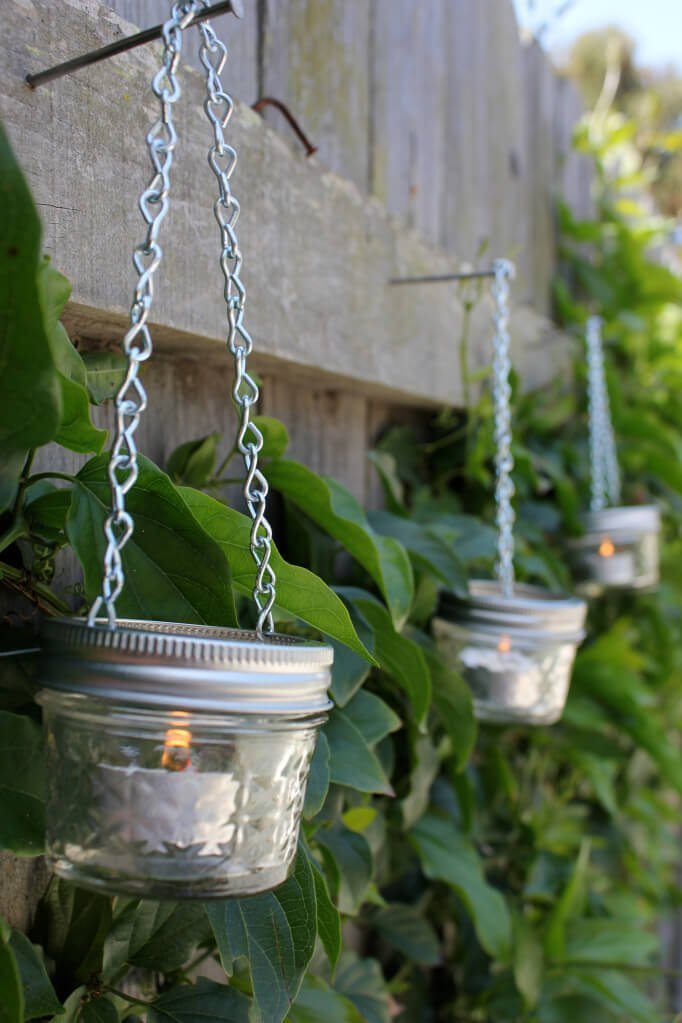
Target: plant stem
28,463
198,961
37,593
125,997
51,476
226,460
15,532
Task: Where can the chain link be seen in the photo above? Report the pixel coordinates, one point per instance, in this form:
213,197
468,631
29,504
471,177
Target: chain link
222,159
503,271
131,399
605,474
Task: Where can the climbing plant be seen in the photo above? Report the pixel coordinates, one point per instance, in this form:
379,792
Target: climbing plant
444,872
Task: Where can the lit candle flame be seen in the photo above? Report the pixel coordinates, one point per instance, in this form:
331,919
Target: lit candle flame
504,645
176,749
606,549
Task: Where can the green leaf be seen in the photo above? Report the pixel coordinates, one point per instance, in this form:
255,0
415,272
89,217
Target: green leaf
426,765
528,961
428,551
275,934
39,995
316,1002
203,1002
318,779
359,818
452,700
104,374
174,570
75,430
46,515
336,511
606,941
446,855
160,936
626,697
275,436
397,655
373,718
30,399
406,929
11,994
569,904
617,992
71,925
352,761
351,857
362,982
350,670
11,464
22,785
328,917
73,1007
99,1010
394,491
193,463
298,590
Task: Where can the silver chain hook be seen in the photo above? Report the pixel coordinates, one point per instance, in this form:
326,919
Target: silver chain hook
503,272
222,159
131,399
605,475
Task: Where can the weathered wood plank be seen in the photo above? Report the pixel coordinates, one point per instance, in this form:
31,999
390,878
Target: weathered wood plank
316,59
573,170
328,428
408,115
317,255
540,89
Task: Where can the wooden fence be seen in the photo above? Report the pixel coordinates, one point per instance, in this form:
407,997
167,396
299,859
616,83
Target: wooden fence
443,142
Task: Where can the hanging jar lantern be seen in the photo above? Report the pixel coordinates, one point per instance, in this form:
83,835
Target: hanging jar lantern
178,755
513,644
619,548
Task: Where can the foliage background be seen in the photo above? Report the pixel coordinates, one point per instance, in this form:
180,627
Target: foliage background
494,875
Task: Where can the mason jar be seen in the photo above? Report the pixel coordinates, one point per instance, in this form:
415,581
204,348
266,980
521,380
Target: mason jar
516,654
178,755
619,550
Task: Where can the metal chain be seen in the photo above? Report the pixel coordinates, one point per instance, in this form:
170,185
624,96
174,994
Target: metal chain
222,159
605,475
503,271
131,399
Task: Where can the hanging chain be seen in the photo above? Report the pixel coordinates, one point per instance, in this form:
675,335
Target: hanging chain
222,159
503,271
603,458
131,399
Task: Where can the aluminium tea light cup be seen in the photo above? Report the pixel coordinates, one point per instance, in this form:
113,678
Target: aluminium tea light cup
178,755
618,551
516,653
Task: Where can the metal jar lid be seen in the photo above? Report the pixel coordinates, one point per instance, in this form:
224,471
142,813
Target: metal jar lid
193,667
634,520
533,612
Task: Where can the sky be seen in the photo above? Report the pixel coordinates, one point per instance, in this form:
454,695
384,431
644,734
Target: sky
655,24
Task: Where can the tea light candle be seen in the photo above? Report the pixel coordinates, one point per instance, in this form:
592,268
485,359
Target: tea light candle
154,808
610,565
501,675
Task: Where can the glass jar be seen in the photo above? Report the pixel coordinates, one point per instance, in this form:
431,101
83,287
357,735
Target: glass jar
178,756
619,550
516,654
